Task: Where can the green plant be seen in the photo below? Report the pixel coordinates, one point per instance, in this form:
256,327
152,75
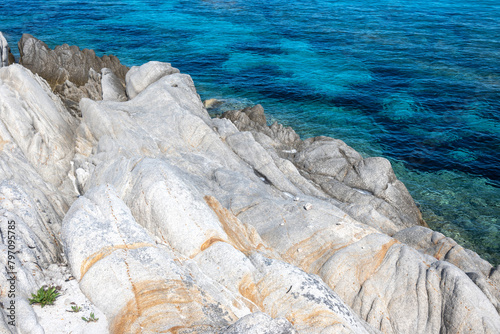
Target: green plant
91,318
75,309
44,297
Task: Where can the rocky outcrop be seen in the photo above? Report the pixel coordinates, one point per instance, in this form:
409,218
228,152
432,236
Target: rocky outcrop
6,57
179,222
435,244
155,286
64,62
254,119
367,189
71,94
37,123
71,72
140,77
36,148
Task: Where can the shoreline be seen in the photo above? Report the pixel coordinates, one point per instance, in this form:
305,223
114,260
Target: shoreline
132,174
449,205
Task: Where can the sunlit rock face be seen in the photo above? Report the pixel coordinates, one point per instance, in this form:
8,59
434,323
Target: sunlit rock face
367,189
172,221
6,57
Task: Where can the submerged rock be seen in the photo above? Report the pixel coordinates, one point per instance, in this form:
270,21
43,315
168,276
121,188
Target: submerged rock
179,222
211,103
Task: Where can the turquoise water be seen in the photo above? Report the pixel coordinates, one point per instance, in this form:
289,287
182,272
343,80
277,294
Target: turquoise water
417,82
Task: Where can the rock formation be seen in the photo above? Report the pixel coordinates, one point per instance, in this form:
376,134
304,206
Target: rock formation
64,62
72,73
6,57
172,221
367,189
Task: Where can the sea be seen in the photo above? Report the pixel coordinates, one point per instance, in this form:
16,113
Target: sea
417,82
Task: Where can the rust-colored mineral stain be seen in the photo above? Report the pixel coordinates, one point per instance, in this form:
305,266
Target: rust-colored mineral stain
158,304
240,238
318,318
210,242
439,255
311,250
310,315
2,143
376,261
190,329
249,290
165,307
106,251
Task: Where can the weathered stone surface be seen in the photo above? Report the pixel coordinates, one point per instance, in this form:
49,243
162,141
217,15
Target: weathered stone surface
35,119
260,323
224,127
36,148
446,249
72,73
6,57
378,276
367,188
256,156
93,244
71,94
254,119
136,282
112,87
256,114
140,77
64,62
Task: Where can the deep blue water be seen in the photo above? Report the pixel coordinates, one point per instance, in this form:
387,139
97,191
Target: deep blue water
416,81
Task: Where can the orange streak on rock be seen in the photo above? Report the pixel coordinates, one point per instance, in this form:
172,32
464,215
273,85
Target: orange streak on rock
249,290
106,251
210,242
241,237
314,252
375,261
165,306
438,254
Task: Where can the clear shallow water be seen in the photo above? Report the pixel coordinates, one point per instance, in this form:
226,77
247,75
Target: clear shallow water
418,83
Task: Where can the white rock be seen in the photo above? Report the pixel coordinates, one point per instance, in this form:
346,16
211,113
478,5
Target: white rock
126,275
4,51
41,126
140,77
112,88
